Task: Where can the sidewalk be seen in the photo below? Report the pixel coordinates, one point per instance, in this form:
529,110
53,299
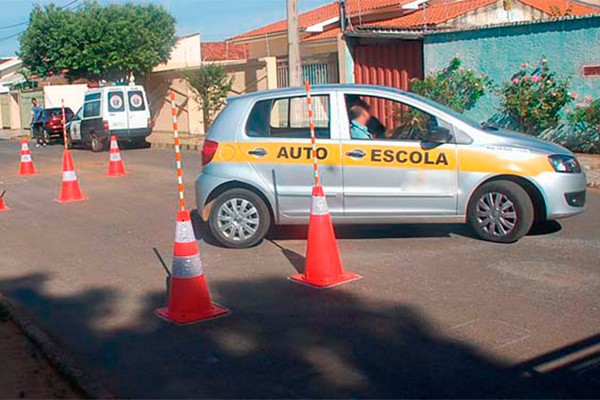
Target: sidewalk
164,140
12,134
591,166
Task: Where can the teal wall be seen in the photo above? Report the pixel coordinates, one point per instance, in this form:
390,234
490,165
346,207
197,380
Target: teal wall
568,45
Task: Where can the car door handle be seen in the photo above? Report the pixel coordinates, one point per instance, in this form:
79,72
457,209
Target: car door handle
356,153
258,152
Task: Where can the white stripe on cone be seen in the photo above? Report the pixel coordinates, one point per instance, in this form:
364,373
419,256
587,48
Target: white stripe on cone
113,144
319,206
25,157
115,156
69,176
187,267
184,232
24,147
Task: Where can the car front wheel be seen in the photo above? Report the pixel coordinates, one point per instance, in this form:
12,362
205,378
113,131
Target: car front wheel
501,211
239,218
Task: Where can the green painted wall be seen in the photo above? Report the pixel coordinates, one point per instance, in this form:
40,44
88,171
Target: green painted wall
567,44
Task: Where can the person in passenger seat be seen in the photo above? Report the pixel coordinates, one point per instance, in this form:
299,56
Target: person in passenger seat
359,117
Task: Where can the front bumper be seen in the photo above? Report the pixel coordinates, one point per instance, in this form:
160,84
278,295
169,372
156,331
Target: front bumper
564,193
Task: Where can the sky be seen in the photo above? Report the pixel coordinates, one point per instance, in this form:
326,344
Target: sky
215,20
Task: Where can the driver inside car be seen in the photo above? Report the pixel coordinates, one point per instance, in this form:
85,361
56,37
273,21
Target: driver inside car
359,117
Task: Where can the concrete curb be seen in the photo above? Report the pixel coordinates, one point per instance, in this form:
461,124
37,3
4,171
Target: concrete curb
57,357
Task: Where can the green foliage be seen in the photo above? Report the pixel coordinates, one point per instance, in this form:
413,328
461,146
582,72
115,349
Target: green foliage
210,84
453,86
97,42
534,99
582,133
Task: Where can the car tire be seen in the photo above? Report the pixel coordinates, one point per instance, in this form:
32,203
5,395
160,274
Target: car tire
239,219
501,212
96,143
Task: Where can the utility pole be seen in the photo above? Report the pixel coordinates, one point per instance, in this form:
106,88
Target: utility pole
295,67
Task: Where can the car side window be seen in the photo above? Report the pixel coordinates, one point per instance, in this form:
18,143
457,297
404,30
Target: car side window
288,118
372,117
91,109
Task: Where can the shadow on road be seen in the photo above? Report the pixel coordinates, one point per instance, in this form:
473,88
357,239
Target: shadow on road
282,341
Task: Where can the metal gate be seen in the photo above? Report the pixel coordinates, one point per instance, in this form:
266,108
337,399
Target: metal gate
392,64
26,106
316,73
5,110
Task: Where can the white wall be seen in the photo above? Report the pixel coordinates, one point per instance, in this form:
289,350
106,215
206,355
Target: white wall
72,95
185,54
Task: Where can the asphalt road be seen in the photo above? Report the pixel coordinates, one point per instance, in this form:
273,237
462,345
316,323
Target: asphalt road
438,313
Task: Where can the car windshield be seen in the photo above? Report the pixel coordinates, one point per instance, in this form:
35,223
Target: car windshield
447,110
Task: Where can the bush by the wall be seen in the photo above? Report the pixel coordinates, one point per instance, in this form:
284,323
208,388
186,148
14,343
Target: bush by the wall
533,99
582,131
454,86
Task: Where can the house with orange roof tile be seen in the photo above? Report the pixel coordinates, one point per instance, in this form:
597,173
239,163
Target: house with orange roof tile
333,54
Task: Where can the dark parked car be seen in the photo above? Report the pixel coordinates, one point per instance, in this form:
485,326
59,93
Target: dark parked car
48,124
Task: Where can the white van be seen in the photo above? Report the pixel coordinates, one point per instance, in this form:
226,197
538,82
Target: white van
112,110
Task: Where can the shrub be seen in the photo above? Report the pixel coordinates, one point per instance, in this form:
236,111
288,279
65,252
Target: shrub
534,98
453,86
210,85
582,133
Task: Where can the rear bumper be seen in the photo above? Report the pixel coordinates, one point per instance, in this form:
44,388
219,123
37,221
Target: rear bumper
128,134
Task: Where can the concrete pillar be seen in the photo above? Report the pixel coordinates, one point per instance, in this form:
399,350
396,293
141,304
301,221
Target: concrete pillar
345,60
271,71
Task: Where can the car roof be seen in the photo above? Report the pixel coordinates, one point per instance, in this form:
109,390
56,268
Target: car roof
299,91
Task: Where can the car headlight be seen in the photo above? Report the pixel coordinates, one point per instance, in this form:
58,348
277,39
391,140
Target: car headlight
565,164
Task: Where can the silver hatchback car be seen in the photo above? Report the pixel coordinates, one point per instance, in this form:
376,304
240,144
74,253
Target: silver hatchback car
386,156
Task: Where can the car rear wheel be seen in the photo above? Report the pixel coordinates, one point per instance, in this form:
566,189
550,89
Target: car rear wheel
239,218
501,211
96,143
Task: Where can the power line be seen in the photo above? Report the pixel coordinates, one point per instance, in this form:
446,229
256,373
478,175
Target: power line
26,22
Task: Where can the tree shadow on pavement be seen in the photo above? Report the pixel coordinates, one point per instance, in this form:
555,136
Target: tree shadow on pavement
281,341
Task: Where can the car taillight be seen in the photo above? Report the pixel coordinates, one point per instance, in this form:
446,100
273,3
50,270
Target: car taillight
208,151
105,126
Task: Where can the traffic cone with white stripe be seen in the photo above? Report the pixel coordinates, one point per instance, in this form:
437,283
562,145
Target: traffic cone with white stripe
116,167
3,206
323,268
26,167
189,297
70,190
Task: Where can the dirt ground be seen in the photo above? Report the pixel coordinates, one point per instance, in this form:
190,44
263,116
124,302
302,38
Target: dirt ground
25,374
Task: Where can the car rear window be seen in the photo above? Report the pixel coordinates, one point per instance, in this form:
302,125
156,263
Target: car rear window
136,100
116,102
288,118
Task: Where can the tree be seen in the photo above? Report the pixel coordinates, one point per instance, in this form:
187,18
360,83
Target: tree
96,42
453,86
210,84
534,98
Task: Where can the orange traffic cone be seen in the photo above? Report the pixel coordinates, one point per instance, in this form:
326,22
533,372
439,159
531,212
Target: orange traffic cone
70,190
189,298
323,267
115,164
3,206
26,167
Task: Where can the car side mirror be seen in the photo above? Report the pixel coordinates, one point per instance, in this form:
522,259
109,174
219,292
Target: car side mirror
438,134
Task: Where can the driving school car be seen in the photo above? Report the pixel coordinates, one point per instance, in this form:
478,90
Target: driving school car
423,162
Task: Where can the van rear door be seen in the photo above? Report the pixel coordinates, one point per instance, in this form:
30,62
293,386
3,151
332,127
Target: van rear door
117,112
138,111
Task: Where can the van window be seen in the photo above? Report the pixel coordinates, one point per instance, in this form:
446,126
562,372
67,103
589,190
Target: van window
115,102
91,109
92,96
288,118
136,100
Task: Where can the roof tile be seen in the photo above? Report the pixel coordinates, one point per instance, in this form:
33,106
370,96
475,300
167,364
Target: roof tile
222,51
